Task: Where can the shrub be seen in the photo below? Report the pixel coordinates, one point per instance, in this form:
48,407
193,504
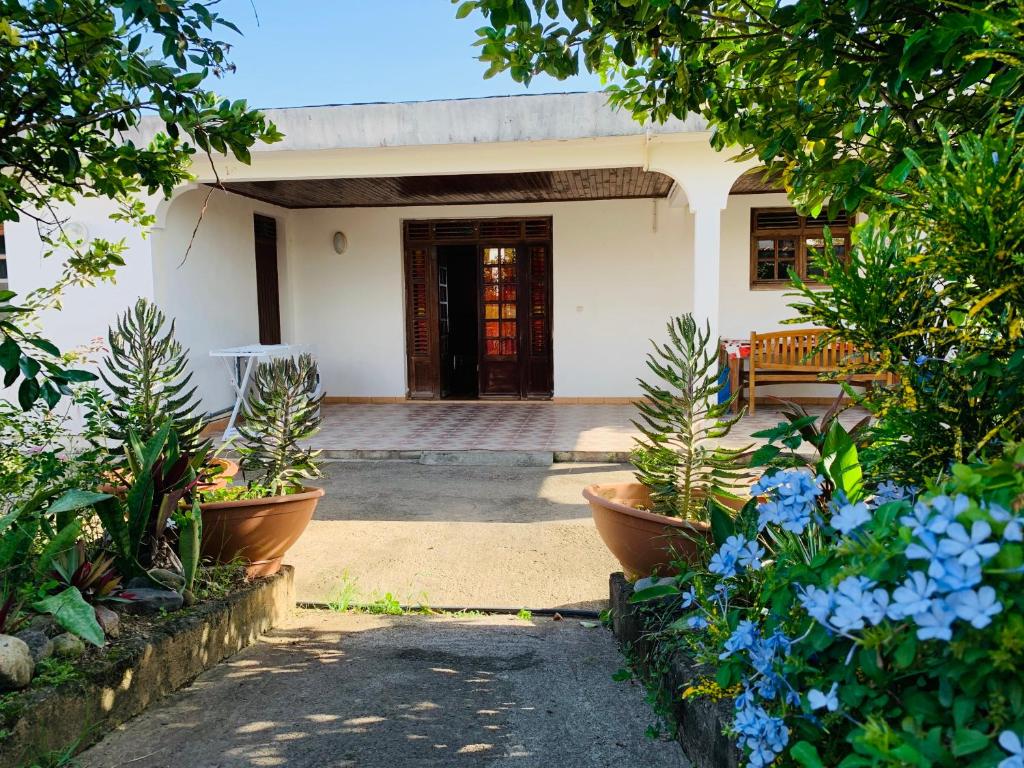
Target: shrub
933,291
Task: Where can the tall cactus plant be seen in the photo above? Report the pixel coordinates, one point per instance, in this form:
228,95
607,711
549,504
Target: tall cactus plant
283,410
678,457
147,374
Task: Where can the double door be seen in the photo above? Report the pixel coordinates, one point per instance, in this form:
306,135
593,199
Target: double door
508,294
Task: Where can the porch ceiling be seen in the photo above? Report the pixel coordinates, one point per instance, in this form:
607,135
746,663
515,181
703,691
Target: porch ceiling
547,186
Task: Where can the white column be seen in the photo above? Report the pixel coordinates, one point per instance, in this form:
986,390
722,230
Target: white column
707,246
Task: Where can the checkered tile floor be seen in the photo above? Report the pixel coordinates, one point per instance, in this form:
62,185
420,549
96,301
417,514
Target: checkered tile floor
499,427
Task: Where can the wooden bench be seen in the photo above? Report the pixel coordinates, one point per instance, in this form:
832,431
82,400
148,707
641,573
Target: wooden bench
791,357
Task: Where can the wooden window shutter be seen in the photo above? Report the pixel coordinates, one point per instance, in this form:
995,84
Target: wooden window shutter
422,343
268,298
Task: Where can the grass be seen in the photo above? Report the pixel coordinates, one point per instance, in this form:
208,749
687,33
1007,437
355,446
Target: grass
53,671
524,615
218,581
346,595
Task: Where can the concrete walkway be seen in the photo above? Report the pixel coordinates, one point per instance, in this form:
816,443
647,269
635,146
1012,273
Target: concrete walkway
458,536
354,691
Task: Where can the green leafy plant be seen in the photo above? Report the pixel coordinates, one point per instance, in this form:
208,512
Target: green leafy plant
933,291
283,410
678,457
827,95
148,377
162,477
94,578
65,118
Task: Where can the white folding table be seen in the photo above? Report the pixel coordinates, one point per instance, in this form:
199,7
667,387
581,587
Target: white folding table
241,361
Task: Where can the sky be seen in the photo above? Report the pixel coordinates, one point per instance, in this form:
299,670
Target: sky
304,52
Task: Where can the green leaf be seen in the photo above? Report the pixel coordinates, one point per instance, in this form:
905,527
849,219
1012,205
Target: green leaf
839,455
73,614
722,526
76,499
806,754
656,592
465,9
967,741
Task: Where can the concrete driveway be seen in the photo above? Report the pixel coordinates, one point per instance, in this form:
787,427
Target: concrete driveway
331,690
457,536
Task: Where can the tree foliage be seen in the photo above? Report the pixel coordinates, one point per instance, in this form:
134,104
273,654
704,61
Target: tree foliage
147,374
283,410
678,457
77,78
827,93
933,288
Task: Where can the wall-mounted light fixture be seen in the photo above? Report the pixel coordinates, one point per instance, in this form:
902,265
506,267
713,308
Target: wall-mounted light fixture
340,242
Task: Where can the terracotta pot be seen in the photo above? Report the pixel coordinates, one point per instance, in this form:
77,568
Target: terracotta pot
222,472
259,531
643,542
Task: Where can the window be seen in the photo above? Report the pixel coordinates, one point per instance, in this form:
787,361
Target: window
781,240
3,260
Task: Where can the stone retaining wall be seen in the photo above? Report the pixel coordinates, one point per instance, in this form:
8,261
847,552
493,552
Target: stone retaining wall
700,721
140,670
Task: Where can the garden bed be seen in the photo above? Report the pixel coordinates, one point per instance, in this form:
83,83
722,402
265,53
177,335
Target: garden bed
699,721
153,657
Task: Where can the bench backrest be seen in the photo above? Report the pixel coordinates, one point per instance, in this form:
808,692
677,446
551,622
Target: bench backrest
792,350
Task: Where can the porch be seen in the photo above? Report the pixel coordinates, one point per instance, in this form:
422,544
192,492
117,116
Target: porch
568,431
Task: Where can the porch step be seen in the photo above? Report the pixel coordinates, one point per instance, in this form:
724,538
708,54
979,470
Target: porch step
479,458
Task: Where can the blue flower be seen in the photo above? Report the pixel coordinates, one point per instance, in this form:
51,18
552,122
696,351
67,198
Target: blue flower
794,492
889,491
850,517
952,576
697,622
818,700
913,597
765,736
750,556
1010,741
977,607
935,623
778,642
818,603
742,638
723,563
969,548
857,603
688,598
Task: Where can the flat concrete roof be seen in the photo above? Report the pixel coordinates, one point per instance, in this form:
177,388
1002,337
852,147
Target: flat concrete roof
541,117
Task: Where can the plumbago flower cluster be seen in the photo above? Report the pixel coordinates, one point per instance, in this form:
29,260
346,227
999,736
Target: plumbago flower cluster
882,629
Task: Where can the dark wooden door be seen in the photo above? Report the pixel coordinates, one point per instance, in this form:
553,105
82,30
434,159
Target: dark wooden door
268,298
513,309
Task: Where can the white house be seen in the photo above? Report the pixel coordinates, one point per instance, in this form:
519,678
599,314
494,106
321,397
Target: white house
515,247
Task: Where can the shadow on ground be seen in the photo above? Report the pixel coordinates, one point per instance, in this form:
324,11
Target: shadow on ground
354,690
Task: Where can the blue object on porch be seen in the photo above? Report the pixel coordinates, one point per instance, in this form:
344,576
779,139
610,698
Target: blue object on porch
723,379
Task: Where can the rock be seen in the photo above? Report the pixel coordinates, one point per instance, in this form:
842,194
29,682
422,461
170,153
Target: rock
169,579
39,645
46,624
16,665
109,621
68,646
147,600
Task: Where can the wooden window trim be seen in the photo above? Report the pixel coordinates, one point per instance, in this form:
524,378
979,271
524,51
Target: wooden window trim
801,234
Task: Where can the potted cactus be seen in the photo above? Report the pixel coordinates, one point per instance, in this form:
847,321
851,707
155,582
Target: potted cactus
684,477
258,521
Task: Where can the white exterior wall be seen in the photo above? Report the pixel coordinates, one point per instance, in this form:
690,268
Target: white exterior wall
619,272
86,312
211,294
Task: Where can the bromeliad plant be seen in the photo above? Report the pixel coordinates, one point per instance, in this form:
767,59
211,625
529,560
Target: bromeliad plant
874,629
283,410
681,420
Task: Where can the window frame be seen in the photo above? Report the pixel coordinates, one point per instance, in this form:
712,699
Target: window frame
800,234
